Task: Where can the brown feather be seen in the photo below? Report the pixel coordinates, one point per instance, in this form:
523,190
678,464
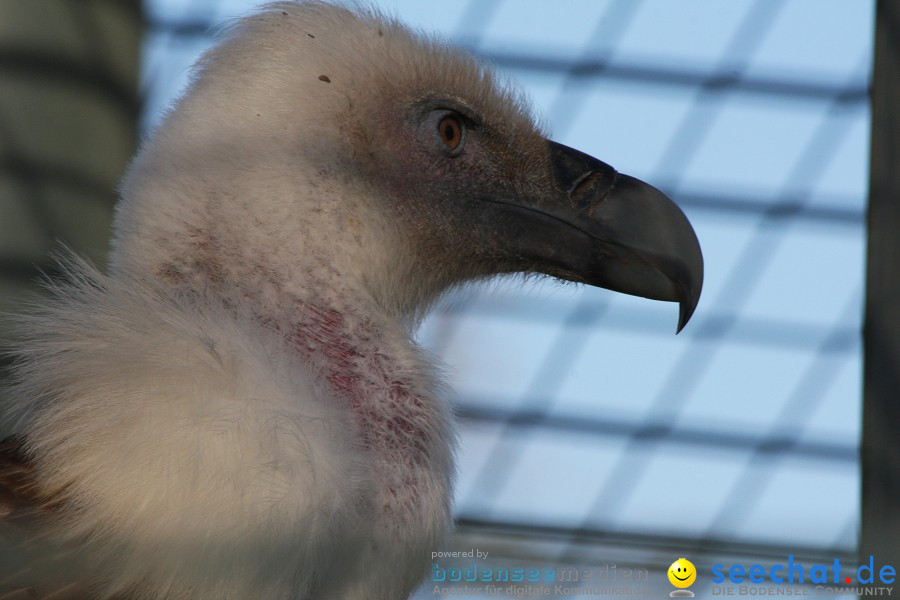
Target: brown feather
19,498
22,510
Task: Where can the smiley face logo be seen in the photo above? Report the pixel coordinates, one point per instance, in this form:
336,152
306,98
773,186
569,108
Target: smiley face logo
682,573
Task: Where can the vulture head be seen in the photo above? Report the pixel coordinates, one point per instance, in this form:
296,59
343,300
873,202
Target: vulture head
237,410
318,140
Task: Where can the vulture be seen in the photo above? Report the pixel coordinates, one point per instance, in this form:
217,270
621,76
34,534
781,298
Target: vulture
237,408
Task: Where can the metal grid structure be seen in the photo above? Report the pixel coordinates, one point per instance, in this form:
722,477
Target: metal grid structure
581,415
69,108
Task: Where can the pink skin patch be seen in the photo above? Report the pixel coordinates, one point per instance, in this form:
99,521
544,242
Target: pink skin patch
387,413
393,423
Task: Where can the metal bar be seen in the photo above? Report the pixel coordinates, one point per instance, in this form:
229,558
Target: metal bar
536,533
739,329
762,206
881,346
473,410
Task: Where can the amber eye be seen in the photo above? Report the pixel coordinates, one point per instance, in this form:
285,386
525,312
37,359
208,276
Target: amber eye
451,132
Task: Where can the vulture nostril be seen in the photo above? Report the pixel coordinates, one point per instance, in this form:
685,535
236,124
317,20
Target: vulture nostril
591,189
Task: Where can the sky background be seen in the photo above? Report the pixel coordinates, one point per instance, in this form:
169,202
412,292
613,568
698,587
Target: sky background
580,408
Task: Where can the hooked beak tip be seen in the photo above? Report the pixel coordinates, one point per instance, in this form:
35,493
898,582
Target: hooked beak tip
685,311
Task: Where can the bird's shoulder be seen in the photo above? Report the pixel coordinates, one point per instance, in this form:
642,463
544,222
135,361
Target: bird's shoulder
150,420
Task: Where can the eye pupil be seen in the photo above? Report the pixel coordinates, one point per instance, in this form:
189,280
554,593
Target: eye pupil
450,130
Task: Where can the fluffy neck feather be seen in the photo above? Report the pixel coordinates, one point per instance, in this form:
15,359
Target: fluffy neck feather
192,454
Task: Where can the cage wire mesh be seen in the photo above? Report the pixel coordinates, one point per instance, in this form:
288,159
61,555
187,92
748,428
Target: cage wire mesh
582,418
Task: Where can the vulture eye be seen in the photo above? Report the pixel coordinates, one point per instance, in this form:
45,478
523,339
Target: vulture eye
450,130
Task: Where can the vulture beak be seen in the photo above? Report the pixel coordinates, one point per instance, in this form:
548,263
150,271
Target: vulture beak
613,231
640,241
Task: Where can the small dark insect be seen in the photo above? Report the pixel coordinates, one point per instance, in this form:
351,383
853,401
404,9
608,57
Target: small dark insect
311,35
324,78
